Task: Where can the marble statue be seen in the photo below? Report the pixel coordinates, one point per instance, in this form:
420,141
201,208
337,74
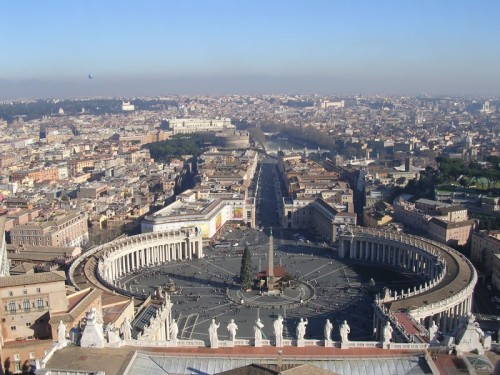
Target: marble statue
212,333
174,330
433,333
387,334
258,330
301,329
231,329
328,330
469,337
278,331
126,329
61,333
93,333
344,332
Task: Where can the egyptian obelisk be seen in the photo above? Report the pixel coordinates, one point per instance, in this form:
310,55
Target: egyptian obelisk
270,272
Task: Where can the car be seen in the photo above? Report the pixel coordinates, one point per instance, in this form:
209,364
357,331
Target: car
235,244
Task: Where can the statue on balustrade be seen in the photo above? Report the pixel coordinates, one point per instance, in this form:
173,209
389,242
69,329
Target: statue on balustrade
258,330
231,329
387,334
328,330
126,330
174,330
61,333
433,333
301,329
278,331
212,333
344,332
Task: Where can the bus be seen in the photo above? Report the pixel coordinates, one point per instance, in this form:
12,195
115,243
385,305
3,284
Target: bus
223,245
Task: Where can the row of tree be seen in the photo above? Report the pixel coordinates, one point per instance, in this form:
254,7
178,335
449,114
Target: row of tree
452,170
179,145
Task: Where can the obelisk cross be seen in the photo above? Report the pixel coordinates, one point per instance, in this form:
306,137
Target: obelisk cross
270,274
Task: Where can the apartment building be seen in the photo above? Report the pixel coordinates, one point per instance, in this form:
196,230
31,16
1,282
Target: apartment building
4,262
66,229
26,302
446,223
484,246
194,125
44,174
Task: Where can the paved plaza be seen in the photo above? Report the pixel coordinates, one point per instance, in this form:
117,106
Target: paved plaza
208,288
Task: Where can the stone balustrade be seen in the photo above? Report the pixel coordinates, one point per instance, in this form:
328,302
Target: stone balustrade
180,343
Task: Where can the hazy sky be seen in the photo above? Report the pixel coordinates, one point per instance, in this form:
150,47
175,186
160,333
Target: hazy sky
131,48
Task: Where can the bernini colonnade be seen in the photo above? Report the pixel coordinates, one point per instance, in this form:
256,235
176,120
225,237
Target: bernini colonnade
447,277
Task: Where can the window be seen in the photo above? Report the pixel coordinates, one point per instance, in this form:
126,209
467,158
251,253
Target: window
39,302
11,293
12,328
28,324
26,305
25,292
12,306
38,290
32,355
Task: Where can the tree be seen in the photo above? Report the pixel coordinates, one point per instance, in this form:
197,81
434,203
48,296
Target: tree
464,181
246,277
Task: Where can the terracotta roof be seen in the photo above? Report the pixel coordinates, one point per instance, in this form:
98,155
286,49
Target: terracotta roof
278,271
36,278
77,308
23,268
448,225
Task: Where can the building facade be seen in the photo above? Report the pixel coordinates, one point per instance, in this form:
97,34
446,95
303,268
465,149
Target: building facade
448,224
195,125
207,216
484,246
68,229
4,261
46,174
315,214
27,300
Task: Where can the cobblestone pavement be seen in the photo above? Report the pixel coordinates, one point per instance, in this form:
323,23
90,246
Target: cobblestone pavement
201,288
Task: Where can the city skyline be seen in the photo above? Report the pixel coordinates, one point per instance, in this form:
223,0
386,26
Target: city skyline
250,48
